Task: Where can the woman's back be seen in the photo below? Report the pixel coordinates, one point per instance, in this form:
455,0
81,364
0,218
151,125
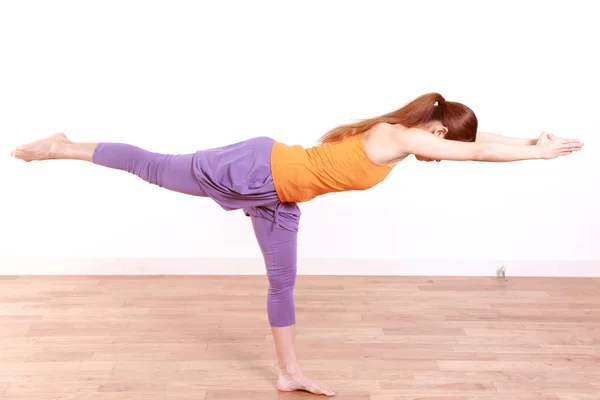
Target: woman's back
300,174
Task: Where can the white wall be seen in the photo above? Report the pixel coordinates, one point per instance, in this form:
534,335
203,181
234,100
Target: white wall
181,76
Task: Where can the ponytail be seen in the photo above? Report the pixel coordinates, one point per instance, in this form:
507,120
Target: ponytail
458,118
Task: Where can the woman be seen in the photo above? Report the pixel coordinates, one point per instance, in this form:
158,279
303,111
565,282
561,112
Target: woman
267,179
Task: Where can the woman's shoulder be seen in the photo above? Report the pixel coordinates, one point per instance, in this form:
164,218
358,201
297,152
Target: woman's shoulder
381,145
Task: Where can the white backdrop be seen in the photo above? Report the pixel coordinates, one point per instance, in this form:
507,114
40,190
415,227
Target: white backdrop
180,76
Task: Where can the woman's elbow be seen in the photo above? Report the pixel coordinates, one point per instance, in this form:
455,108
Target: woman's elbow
479,154
471,153
491,152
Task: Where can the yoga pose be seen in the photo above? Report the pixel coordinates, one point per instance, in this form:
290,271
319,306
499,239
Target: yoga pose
267,179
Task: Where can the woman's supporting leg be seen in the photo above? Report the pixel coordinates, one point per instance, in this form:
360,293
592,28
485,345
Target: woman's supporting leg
173,172
279,248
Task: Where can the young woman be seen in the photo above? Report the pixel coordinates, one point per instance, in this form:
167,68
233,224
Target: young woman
267,179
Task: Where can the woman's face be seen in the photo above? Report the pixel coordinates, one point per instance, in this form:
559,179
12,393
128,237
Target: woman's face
425,159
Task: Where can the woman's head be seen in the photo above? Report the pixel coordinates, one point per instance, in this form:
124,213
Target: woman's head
452,120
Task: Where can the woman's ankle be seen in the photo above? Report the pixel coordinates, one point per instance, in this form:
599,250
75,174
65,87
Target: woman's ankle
58,149
290,369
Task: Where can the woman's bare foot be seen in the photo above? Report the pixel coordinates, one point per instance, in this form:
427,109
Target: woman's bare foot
291,382
44,149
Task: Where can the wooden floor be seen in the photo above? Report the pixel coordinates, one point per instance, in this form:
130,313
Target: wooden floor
387,338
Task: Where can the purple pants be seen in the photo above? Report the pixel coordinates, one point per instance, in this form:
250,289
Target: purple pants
237,176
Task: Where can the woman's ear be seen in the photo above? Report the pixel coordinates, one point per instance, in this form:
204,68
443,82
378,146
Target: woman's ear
441,132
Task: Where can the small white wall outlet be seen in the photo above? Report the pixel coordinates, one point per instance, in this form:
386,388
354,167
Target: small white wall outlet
502,273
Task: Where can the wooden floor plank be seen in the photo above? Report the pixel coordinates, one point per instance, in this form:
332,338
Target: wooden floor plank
371,338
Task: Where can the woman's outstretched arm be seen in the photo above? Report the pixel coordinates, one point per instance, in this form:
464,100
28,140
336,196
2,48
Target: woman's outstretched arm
423,143
488,137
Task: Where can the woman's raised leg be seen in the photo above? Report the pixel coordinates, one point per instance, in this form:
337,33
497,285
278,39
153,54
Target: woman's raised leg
279,248
54,147
173,172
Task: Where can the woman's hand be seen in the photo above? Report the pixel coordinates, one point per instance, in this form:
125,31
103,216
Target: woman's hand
552,146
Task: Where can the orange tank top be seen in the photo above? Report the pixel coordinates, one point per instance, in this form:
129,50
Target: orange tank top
301,174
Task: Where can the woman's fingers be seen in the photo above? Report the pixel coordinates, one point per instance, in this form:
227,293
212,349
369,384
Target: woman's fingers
565,140
570,147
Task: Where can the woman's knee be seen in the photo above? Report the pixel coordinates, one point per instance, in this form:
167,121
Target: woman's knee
282,278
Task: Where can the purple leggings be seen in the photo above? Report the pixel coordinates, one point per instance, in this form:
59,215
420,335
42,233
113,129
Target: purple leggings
179,173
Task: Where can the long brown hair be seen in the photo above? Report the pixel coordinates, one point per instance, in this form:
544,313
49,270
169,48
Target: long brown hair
458,118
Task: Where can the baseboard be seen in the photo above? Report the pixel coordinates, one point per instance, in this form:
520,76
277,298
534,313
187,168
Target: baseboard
322,266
